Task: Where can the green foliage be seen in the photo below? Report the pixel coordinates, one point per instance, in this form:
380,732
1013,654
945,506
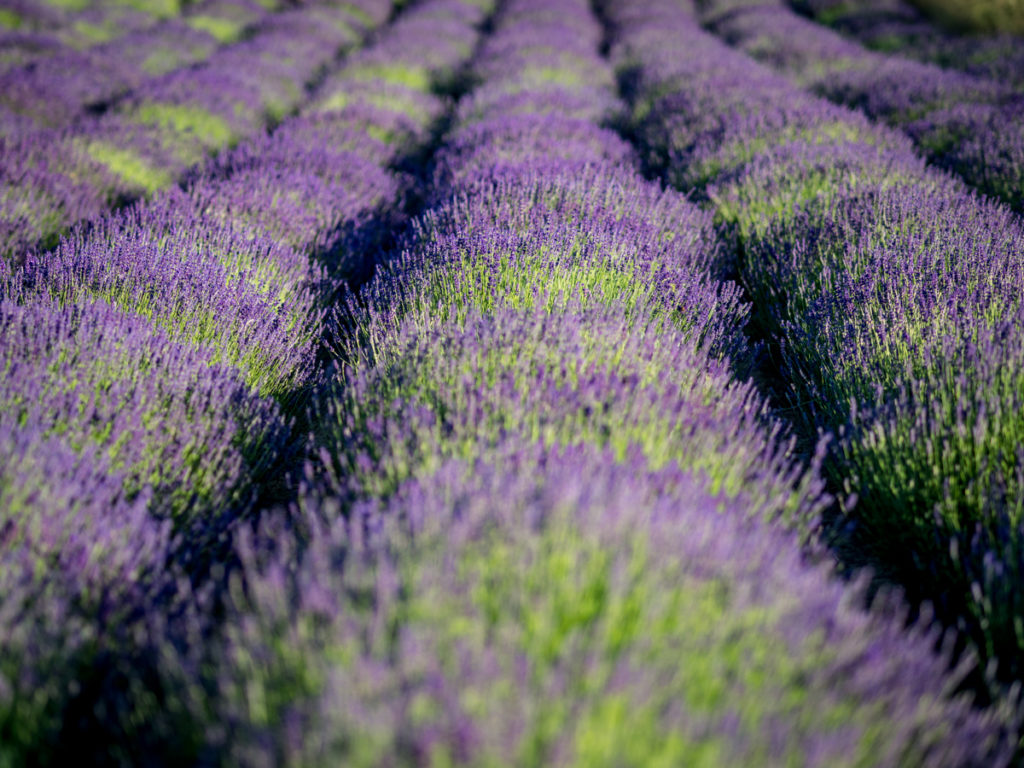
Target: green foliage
417,78
161,60
212,131
71,5
221,29
339,100
164,9
475,396
552,279
356,12
88,33
734,156
136,172
596,642
977,15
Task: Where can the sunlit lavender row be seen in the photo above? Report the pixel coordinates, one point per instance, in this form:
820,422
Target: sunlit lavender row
899,26
890,297
53,88
64,163
968,123
495,382
32,29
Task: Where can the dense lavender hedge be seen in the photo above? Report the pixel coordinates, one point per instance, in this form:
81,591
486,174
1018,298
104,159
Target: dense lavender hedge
545,514
527,415
970,125
141,363
54,90
898,26
84,163
890,294
572,607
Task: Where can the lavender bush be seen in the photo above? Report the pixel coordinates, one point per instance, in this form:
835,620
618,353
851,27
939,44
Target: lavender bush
880,284
561,607
898,26
406,422
968,124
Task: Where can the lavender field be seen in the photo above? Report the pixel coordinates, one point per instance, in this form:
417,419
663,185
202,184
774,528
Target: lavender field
510,383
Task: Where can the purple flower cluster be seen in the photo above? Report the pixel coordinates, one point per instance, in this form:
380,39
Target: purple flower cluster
142,359
538,512
55,90
891,298
76,168
170,423
968,124
898,26
564,606
545,526
44,187
248,298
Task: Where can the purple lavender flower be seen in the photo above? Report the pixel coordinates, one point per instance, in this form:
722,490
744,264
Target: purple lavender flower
890,291
554,606
251,301
184,433
935,106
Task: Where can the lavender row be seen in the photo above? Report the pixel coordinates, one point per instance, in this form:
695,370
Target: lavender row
126,454
215,319
197,278
241,263
568,606
29,28
967,124
50,179
532,211
540,530
892,295
138,360
44,43
897,26
55,91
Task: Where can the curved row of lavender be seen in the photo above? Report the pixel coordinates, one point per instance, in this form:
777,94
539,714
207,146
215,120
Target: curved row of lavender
242,262
898,26
224,266
55,90
42,100
891,295
32,29
53,177
546,526
142,361
971,125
